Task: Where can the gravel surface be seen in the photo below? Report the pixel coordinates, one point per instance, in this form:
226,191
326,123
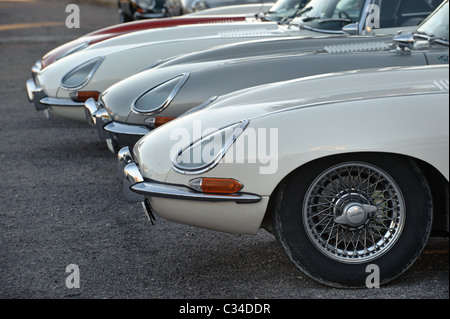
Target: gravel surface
61,204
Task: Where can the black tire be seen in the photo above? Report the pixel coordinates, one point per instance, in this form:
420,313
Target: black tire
306,222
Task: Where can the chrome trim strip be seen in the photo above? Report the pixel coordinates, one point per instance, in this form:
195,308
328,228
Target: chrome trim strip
167,101
363,19
128,129
60,102
153,189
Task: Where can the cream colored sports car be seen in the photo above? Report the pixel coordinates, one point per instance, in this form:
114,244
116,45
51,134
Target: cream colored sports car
345,180
61,88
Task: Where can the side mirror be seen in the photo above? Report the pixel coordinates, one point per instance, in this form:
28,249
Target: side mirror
404,41
352,28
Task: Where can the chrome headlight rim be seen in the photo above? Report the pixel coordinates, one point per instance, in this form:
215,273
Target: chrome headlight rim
240,127
98,60
183,78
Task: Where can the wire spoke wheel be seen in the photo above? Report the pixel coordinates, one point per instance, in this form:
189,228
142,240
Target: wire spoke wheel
335,216
354,212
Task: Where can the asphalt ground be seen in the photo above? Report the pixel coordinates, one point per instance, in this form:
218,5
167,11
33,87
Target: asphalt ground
61,205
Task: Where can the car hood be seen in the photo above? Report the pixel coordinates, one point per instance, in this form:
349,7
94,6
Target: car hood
215,78
235,29
261,102
128,54
281,46
137,50
119,97
123,28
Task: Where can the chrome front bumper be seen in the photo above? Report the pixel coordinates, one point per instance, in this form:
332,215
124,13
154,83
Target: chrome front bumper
136,188
123,134
38,97
42,102
115,133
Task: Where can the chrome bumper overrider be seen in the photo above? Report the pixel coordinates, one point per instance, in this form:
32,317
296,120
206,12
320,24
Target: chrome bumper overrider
41,101
35,69
114,133
35,95
136,188
98,117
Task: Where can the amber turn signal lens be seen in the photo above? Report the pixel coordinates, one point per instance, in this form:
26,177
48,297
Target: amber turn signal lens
160,120
216,185
157,121
83,96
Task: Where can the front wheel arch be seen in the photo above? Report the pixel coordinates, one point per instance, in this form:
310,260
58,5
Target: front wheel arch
438,184
389,159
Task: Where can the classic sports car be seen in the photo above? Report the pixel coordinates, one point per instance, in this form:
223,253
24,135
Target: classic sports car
132,107
205,16
352,178
61,87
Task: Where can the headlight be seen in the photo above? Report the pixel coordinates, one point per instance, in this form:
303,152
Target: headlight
80,76
160,96
205,153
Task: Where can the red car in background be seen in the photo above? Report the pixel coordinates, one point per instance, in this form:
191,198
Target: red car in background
119,29
282,8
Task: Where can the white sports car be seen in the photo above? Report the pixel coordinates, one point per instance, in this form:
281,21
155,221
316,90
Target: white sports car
62,87
346,179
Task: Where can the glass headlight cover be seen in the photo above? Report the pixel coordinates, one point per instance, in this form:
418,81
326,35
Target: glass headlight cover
204,154
80,76
160,96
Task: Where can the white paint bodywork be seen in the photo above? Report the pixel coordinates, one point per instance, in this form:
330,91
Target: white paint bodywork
399,111
129,54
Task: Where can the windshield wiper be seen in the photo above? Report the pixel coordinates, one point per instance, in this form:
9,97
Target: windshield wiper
336,20
325,20
307,19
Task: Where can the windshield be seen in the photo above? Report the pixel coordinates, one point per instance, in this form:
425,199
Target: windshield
284,10
437,24
330,14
